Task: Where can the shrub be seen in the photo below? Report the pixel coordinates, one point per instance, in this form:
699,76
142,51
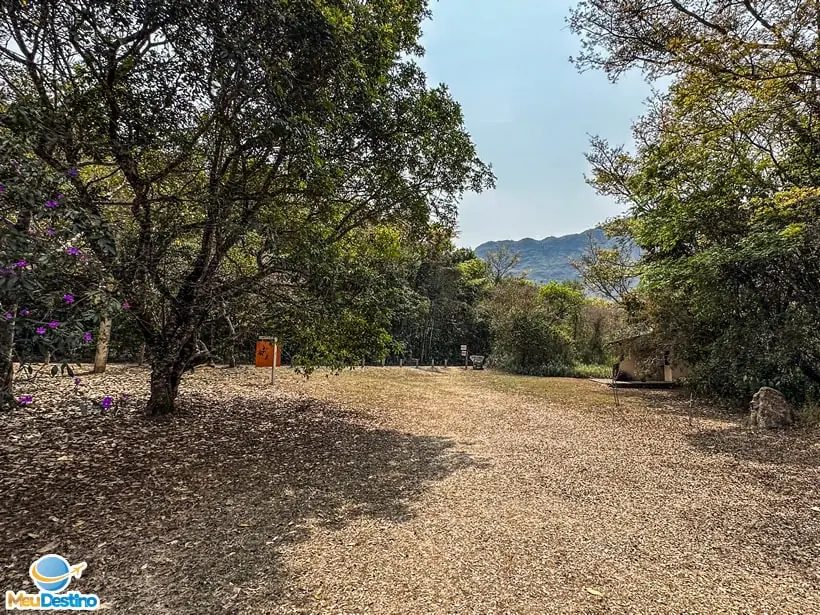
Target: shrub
809,414
559,370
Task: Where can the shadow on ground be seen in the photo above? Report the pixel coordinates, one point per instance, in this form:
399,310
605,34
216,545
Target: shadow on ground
795,448
191,515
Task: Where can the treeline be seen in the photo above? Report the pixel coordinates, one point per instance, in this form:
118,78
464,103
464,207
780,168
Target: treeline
455,298
722,186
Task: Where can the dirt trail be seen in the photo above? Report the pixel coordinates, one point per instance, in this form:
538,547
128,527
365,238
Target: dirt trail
411,491
573,506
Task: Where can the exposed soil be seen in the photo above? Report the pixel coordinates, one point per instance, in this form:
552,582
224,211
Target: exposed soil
390,490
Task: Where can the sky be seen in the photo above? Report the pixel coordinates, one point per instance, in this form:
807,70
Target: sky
530,114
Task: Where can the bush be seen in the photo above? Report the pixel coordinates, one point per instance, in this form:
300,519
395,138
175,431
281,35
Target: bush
809,415
586,370
560,370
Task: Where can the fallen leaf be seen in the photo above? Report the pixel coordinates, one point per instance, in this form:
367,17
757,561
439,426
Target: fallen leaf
594,592
49,547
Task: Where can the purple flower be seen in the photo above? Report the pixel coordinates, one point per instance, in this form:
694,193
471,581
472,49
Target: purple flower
25,400
125,305
87,337
9,315
52,204
50,232
72,251
60,196
5,271
69,298
124,397
21,263
41,330
77,382
106,402
54,324
24,312
2,188
73,173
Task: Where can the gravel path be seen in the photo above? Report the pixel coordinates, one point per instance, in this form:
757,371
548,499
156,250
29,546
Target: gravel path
413,491
572,507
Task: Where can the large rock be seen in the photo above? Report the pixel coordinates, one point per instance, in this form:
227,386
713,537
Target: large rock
770,410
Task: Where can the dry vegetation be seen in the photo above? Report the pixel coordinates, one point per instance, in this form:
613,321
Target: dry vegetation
409,491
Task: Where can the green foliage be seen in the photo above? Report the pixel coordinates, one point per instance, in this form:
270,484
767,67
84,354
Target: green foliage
50,293
546,330
562,370
228,150
722,187
440,310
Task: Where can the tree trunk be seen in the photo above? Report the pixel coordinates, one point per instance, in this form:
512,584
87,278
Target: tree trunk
231,340
169,355
101,358
141,357
165,380
7,364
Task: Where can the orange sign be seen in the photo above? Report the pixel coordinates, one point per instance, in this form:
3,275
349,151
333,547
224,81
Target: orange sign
264,354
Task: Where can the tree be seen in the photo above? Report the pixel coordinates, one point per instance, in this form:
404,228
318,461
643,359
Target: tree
441,307
502,262
532,326
220,147
723,186
610,272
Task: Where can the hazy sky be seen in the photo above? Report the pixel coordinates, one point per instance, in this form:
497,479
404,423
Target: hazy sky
529,112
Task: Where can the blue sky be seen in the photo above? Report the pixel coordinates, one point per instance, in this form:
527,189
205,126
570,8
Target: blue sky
529,112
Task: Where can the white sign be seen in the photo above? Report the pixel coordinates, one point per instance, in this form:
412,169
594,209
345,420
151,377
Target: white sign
463,347
463,353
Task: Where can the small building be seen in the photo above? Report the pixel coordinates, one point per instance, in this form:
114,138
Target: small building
642,358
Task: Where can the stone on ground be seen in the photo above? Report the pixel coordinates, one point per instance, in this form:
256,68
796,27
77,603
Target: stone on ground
770,410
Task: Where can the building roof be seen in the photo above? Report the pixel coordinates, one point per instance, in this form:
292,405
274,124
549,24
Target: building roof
631,333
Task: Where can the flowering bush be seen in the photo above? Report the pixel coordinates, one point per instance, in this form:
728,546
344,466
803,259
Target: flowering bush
36,269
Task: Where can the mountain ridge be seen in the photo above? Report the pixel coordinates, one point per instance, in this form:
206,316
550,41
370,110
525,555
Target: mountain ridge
549,258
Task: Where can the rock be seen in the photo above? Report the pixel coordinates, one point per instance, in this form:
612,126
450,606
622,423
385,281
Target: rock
770,410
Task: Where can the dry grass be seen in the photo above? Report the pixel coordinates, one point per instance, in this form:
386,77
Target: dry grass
413,491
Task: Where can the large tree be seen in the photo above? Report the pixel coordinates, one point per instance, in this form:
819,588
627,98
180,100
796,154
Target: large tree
227,145
722,187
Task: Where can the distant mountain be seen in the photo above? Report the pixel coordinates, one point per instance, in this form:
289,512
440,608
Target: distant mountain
549,258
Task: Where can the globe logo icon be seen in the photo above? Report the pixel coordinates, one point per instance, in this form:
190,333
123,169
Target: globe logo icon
52,573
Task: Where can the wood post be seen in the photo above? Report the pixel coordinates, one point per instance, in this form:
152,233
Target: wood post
273,363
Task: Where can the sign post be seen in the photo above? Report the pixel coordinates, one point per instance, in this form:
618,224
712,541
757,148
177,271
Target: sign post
464,354
263,354
273,363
